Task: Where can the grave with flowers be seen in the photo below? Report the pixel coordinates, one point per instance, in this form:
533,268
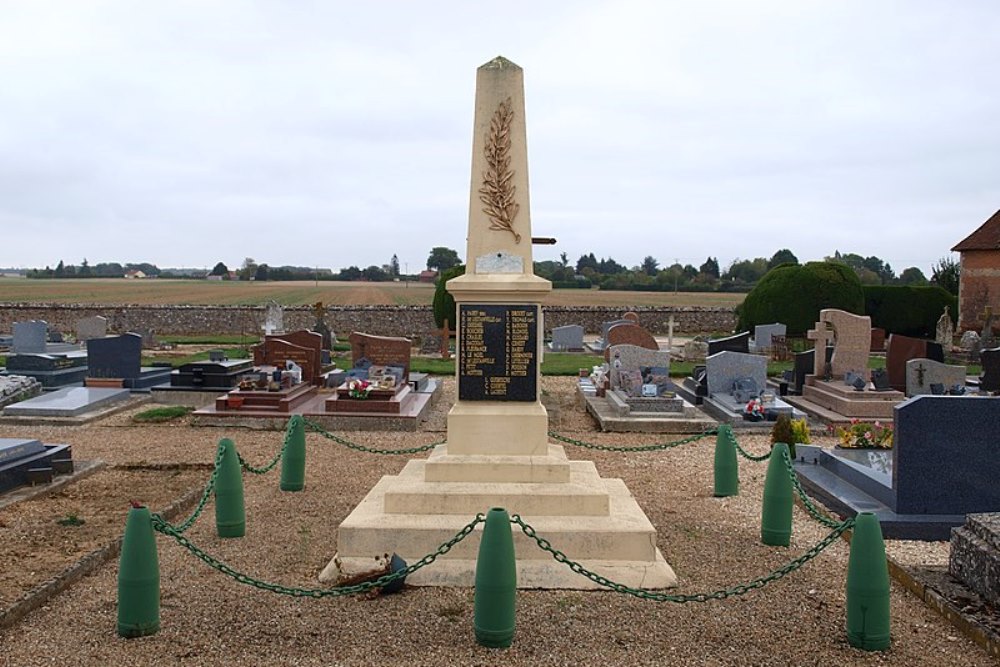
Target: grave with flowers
737,391
920,474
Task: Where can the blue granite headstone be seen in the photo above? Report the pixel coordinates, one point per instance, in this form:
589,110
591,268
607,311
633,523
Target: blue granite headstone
947,455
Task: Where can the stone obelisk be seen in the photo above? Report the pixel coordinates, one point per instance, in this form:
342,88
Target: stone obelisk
497,452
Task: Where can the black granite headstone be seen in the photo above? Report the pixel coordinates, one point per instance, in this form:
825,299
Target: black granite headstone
497,359
804,363
115,356
990,379
880,378
737,343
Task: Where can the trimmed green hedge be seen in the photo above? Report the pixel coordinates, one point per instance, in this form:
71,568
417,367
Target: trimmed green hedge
907,309
794,294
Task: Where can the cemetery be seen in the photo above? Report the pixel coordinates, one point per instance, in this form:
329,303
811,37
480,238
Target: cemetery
472,529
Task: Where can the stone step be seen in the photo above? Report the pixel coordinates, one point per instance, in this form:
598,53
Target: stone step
986,527
582,495
817,411
976,563
443,467
851,407
625,534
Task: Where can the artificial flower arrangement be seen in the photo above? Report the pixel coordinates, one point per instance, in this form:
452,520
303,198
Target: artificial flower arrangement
754,410
359,389
866,435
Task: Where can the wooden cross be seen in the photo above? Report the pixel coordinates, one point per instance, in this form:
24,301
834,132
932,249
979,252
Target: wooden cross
821,335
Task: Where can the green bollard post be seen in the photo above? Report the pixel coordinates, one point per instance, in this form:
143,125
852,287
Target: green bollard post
293,460
230,514
496,582
727,470
776,513
138,577
867,586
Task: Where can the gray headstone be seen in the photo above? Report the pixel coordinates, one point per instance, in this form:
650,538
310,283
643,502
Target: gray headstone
569,337
724,368
30,337
274,319
762,335
633,358
91,327
922,374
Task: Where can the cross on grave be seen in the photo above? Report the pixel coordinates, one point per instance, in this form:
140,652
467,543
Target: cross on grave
920,374
445,334
821,336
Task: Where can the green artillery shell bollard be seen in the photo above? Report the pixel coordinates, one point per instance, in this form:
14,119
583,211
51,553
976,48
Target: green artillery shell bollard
138,577
293,460
230,515
776,514
727,471
867,586
496,582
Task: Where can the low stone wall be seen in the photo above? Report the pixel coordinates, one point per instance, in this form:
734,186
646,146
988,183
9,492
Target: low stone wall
382,320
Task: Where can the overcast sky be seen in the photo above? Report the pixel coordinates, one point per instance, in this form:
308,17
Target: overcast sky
333,133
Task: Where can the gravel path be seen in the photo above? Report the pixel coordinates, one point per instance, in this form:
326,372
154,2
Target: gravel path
209,619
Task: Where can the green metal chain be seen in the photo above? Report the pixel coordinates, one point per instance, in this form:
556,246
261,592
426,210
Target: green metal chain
361,448
722,594
270,466
806,501
209,487
639,448
162,526
745,454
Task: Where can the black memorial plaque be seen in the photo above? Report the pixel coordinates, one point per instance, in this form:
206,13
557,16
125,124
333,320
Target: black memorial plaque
498,355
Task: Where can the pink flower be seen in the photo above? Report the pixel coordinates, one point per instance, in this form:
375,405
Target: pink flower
868,435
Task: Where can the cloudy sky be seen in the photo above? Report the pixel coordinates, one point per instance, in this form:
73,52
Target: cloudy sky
332,133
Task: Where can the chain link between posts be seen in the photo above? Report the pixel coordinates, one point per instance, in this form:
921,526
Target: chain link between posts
638,448
163,527
316,428
742,452
721,594
270,466
206,494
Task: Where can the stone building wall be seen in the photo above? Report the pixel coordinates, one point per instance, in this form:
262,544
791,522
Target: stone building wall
979,287
382,320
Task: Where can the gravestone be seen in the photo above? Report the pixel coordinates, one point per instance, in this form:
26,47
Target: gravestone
852,342
725,368
91,327
737,343
629,334
602,342
382,350
878,339
632,357
320,326
944,460
301,347
990,379
274,319
219,373
67,402
945,334
762,335
25,461
51,370
901,349
148,336
567,339
30,337
923,374
115,357
631,316
695,350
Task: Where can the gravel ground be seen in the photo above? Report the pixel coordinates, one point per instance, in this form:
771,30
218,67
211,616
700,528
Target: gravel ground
209,619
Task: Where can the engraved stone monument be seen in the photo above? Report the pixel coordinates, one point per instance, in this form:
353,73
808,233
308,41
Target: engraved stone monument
497,452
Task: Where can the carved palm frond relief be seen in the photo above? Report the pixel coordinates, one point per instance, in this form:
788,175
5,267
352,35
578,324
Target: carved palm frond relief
497,193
